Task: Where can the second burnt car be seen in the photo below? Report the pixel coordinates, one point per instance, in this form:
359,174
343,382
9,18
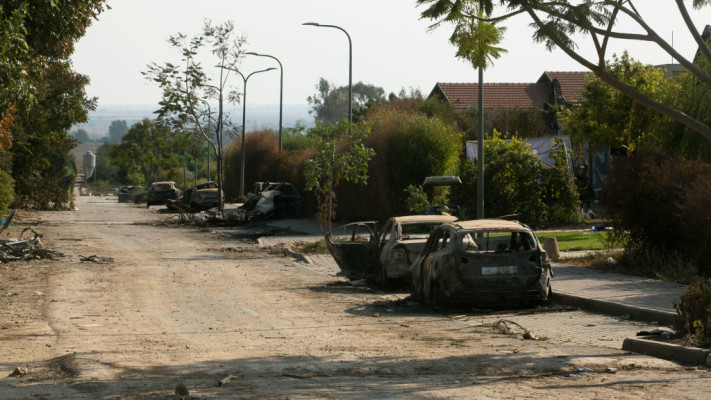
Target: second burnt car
363,250
162,192
488,262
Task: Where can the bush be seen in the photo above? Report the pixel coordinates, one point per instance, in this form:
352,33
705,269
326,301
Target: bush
409,146
694,312
7,193
662,202
516,182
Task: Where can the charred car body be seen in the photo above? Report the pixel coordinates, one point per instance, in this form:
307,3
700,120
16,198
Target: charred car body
276,199
489,262
161,192
362,250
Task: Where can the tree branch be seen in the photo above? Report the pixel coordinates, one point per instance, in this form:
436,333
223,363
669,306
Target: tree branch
607,77
694,32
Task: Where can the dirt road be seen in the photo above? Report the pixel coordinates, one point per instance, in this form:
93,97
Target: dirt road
200,306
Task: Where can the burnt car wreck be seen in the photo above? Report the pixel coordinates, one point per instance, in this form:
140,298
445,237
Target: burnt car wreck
488,262
277,199
384,254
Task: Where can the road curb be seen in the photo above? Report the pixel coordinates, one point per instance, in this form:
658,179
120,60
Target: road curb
608,307
667,351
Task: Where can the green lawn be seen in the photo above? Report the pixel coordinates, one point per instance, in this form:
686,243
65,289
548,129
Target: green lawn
577,240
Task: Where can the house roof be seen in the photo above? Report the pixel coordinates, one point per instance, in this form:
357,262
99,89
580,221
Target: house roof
571,83
496,95
512,95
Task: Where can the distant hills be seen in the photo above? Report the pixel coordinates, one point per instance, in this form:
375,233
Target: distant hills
259,116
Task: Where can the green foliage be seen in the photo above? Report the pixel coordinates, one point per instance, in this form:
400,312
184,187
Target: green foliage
662,202
695,101
117,129
6,191
475,38
516,182
417,201
147,147
409,146
605,116
329,104
340,154
694,312
295,138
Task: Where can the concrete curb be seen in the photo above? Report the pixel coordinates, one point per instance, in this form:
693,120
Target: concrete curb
667,351
608,307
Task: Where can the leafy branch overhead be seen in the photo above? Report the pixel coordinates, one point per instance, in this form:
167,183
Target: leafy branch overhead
561,24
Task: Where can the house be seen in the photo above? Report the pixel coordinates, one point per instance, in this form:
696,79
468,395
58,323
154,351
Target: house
552,91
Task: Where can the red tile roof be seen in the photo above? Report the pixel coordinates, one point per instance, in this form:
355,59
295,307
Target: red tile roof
513,95
571,83
497,95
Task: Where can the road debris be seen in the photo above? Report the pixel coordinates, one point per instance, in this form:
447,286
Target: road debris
502,326
96,259
19,371
225,380
26,249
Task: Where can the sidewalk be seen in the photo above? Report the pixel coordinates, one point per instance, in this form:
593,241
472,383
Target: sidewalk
610,293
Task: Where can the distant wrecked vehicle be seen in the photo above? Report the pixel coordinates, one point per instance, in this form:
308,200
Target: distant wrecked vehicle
490,262
205,196
383,255
161,192
125,193
276,199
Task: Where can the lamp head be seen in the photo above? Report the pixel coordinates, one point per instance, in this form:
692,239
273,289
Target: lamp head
251,53
311,23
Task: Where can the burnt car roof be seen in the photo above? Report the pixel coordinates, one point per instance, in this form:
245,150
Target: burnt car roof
491,224
441,219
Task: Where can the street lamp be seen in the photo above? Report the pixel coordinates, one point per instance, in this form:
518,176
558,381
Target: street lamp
350,65
281,89
244,113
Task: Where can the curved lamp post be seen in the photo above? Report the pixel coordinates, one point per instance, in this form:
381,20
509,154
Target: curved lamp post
281,89
350,65
244,113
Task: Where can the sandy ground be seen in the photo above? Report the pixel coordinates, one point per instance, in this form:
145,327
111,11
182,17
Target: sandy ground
211,310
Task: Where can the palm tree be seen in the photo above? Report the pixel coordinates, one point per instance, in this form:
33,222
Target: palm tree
476,41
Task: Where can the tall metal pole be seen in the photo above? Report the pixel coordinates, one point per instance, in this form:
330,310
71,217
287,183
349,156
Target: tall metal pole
244,121
480,150
350,65
281,89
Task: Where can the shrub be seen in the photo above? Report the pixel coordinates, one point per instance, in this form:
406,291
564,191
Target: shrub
663,202
6,191
409,146
694,312
516,182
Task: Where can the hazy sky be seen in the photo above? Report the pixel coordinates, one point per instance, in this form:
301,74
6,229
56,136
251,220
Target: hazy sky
392,47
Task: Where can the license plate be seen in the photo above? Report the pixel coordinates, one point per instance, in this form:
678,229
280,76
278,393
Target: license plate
500,270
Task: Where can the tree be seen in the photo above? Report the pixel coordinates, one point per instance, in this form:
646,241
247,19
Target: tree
329,104
476,41
557,22
32,36
147,146
607,117
40,96
117,129
188,89
81,136
339,155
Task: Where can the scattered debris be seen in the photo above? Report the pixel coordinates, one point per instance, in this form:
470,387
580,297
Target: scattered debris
225,380
19,371
611,370
502,326
96,259
25,249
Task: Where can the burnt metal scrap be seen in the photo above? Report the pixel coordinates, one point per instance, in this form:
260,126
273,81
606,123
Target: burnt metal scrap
96,259
26,249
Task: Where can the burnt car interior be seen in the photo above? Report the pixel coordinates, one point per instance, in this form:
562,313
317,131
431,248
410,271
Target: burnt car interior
497,242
